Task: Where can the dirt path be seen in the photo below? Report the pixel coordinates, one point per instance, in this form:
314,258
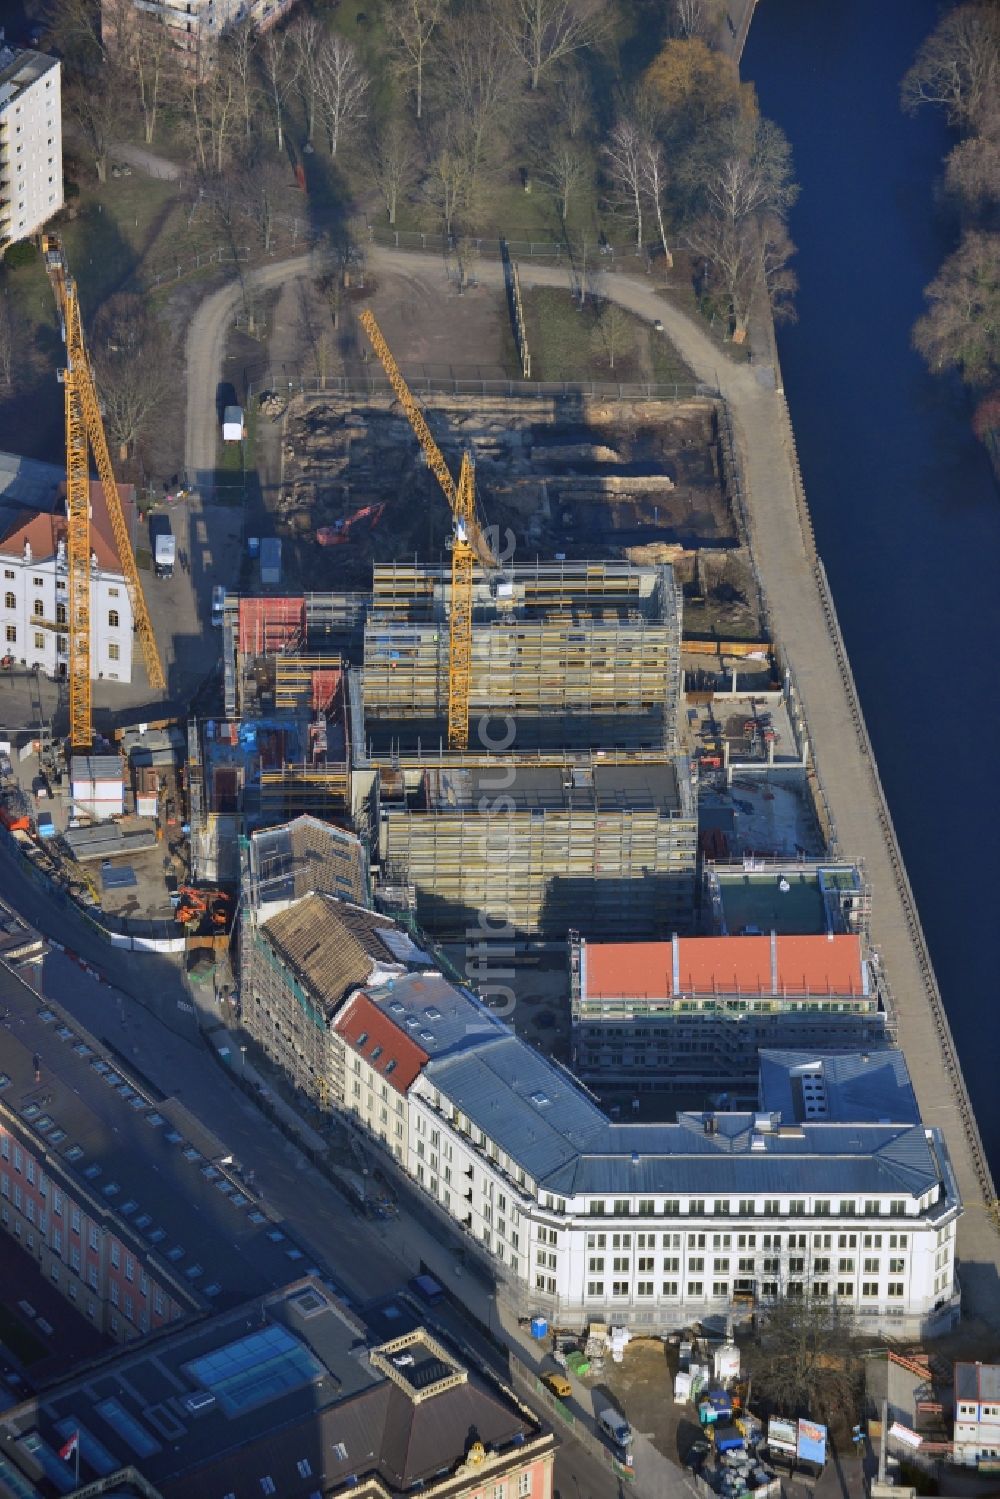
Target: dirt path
146,161
804,622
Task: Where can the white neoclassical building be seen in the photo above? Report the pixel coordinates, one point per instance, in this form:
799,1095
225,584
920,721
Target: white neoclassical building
34,586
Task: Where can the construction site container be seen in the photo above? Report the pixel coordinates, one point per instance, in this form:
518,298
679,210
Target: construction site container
232,424
97,785
270,561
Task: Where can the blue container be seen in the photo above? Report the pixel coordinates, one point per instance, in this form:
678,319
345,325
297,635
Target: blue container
539,1327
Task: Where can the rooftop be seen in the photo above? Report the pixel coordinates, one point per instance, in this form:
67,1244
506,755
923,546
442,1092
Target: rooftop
652,787
372,1035
289,1389
979,1382
18,69
819,965
140,1161
305,855
816,901
442,1017
335,947
540,1117
839,1088
43,530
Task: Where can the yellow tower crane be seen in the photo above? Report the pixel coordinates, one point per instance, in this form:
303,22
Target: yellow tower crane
469,543
85,432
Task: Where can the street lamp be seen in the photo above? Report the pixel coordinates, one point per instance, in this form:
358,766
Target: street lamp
243,1061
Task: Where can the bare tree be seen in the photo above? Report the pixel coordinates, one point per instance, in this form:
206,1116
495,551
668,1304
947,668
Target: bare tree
341,88
211,111
152,56
411,26
653,173
133,366
754,174
747,254
95,103
564,170
574,101
694,18
805,1359
238,56
542,32
624,157
958,67
280,61
481,85
308,35
961,328
614,332
448,185
393,164
973,169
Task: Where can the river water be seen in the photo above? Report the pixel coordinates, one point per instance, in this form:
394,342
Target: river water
906,511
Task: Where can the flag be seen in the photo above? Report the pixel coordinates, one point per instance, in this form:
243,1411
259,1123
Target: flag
70,1446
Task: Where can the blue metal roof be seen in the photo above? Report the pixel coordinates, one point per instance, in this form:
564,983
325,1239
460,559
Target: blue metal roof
437,1015
551,1128
838,1086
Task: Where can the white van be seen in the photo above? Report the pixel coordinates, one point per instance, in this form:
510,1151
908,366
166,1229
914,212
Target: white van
218,604
619,1432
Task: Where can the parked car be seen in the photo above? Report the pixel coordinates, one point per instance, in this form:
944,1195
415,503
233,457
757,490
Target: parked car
558,1384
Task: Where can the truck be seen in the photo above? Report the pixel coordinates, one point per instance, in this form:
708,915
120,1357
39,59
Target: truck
619,1432
164,546
270,561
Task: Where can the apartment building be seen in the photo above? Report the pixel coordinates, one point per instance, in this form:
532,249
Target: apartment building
700,1008
388,1034
292,1395
124,1203
31,179
661,1225
35,578
195,26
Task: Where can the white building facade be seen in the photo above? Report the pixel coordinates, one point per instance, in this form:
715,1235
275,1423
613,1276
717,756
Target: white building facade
34,614
31,180
637,1231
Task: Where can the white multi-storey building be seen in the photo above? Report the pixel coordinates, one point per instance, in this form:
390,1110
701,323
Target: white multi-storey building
31,182
34,581
977,1413
660,1225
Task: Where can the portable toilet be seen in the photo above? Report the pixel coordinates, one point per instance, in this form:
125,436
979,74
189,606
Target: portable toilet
539,1327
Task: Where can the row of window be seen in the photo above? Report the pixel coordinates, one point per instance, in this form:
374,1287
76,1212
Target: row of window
38,610
744,1241
747,1207
10,635
695,1290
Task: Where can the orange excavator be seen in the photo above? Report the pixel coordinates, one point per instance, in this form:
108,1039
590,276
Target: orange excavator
198,908
340,532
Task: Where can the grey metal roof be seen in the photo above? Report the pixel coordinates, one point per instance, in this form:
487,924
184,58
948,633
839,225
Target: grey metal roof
977,1382
857,1086
96,768
552,1129
26,485
437,1015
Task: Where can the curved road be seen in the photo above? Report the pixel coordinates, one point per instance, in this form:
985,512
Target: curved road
803,621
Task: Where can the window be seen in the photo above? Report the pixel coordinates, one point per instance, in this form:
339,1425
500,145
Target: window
722,1207
113,619
895,1288
39,641
821,1207
696,1263
671,1207
846,1288
622,1207
720,1288
696,1207
38,609
896,1266
524,1484
10,634
60,614
772,1207
644,1288
114,651
848,1209
845,1266
595,1288
869,1288
821,1288
797,1208
597,1241
10,602
595,1265
870,1267
8,572
619,1288
670,1288
116,1255
597,1209
695,1289
112,593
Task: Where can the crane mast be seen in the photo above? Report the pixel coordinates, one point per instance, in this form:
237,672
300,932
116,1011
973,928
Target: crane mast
85,433
469,543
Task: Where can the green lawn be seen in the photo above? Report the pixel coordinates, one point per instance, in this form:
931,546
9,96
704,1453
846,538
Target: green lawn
565,344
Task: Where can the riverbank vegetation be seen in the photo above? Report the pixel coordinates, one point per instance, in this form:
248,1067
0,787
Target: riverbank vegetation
958,70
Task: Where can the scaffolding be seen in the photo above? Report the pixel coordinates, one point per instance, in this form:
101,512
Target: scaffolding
617,870
598,643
